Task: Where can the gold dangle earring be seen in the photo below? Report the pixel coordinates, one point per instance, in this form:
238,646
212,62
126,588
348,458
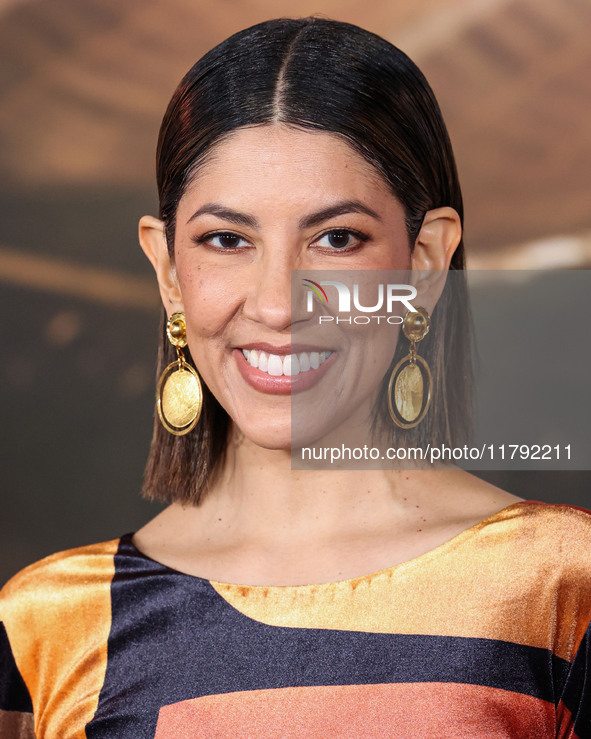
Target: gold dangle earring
407,400
179,397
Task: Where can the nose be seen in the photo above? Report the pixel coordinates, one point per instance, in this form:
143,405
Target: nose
268,300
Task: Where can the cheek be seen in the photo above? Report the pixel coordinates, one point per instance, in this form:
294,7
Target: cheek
210,298
377,348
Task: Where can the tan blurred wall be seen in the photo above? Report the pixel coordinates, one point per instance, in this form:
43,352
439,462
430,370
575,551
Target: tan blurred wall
83,85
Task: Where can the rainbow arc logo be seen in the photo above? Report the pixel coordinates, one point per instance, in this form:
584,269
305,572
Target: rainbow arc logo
316,289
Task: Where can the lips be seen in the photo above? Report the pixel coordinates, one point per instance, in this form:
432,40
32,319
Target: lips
282,373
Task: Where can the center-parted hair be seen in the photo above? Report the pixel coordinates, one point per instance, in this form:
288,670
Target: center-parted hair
323,75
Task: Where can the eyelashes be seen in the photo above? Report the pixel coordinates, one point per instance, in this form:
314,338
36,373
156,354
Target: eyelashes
227,240
340,239
335,239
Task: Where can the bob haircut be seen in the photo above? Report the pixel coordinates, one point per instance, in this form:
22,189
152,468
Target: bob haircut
325,75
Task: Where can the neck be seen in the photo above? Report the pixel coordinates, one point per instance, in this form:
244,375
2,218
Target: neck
263,523
258,494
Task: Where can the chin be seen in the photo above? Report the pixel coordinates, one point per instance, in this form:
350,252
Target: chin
273,442
284,437
268,436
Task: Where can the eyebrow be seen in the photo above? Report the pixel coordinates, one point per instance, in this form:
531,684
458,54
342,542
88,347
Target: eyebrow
234,216
314,219
339,209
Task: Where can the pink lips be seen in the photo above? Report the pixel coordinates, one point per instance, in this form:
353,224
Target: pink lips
282,385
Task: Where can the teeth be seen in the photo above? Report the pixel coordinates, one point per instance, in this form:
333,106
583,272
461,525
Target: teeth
275,366
304,362
289,365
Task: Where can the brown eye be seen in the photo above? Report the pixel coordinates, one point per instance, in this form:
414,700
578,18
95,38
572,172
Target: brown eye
222,240
341,238
227,240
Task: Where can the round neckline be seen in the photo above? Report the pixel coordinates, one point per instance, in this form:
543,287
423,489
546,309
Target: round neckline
453,541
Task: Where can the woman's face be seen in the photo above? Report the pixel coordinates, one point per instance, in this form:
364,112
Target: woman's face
269,200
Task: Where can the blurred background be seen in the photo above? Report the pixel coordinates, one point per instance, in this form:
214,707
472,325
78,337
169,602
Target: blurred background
83,86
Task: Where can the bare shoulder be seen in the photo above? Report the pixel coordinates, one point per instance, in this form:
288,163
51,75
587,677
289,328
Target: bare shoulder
464,500
460,499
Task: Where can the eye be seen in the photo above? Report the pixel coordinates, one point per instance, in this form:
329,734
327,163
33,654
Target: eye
340,239
222,240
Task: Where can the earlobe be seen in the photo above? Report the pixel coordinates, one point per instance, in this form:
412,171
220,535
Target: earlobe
438,239
152,239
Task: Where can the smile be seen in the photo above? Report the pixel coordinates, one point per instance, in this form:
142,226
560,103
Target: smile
289,365
279,373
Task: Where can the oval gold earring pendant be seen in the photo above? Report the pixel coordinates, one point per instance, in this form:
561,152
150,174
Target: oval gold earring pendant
179,395
410,386
179,398
408,398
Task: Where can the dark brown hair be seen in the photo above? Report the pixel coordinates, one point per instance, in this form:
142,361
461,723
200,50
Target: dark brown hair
330,76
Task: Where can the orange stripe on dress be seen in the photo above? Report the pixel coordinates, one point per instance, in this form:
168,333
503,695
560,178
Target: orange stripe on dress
57,614
401,710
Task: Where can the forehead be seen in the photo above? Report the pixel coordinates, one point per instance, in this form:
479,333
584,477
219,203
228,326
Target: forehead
278,162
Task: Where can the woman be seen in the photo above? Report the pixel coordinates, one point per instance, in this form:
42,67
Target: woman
245,607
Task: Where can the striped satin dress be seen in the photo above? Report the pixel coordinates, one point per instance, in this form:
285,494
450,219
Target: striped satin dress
487,635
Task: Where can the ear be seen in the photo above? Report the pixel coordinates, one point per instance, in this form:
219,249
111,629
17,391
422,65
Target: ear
435,245
438,239
153,241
